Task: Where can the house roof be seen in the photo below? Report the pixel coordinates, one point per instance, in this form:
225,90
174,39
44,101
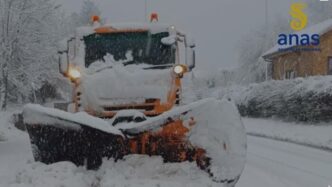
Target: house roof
320,28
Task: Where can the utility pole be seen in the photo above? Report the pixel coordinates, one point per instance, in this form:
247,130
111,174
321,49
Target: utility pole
146,10
266,15
266,36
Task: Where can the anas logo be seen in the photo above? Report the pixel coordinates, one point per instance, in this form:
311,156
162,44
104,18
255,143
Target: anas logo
298,41
299,17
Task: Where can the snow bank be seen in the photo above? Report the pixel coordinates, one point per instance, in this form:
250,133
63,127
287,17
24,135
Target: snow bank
302,99
319,136
135,171
2,136
6,124
36,114
151,171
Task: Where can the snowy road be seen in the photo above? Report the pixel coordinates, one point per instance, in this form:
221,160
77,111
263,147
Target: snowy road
277,164
269,164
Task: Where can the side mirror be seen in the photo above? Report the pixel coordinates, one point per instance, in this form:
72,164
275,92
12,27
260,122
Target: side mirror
190,52
190,42
63,62
63,53
190,58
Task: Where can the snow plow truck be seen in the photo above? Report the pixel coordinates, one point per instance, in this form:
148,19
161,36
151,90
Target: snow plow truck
127,87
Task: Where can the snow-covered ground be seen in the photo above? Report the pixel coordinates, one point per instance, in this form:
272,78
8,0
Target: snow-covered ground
279,164
17,169
269,163
318,135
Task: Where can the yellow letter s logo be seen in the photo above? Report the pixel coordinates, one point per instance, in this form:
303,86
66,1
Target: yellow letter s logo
300,19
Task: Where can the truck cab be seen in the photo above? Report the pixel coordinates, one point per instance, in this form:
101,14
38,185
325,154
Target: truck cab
116,67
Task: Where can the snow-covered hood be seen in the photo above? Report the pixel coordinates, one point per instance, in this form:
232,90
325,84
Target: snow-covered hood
124,85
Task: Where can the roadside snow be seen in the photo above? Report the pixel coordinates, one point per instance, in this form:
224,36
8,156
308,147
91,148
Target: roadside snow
301,99
312,135
5,127
273,163
135,171
2,136
15,151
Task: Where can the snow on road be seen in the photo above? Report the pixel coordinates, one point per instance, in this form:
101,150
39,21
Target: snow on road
18,170
269,164
275,164
316,135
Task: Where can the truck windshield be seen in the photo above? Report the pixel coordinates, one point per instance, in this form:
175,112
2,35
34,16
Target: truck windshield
146,48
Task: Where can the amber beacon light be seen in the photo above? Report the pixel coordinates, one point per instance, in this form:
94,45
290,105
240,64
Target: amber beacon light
154,17
95,18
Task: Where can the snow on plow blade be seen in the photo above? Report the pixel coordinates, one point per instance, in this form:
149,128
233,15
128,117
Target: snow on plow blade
208,132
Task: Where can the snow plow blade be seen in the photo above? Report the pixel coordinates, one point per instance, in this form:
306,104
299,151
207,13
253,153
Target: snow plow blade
208,132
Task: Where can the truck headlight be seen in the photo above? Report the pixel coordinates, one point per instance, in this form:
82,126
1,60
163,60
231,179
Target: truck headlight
74,73
178,69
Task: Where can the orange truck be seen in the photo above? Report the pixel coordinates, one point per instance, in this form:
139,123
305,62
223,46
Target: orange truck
127,99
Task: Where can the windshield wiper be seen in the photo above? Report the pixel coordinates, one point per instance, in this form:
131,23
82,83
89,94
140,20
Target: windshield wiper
103,68
152,67
165,66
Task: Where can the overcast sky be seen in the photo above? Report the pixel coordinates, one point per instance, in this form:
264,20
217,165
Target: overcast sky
217,25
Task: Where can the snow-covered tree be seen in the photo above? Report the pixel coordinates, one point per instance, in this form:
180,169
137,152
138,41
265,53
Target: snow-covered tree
29,31
252,68
251,48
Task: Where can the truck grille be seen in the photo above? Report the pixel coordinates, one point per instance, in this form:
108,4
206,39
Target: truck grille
148,107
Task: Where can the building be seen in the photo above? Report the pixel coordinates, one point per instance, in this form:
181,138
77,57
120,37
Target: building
288,64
